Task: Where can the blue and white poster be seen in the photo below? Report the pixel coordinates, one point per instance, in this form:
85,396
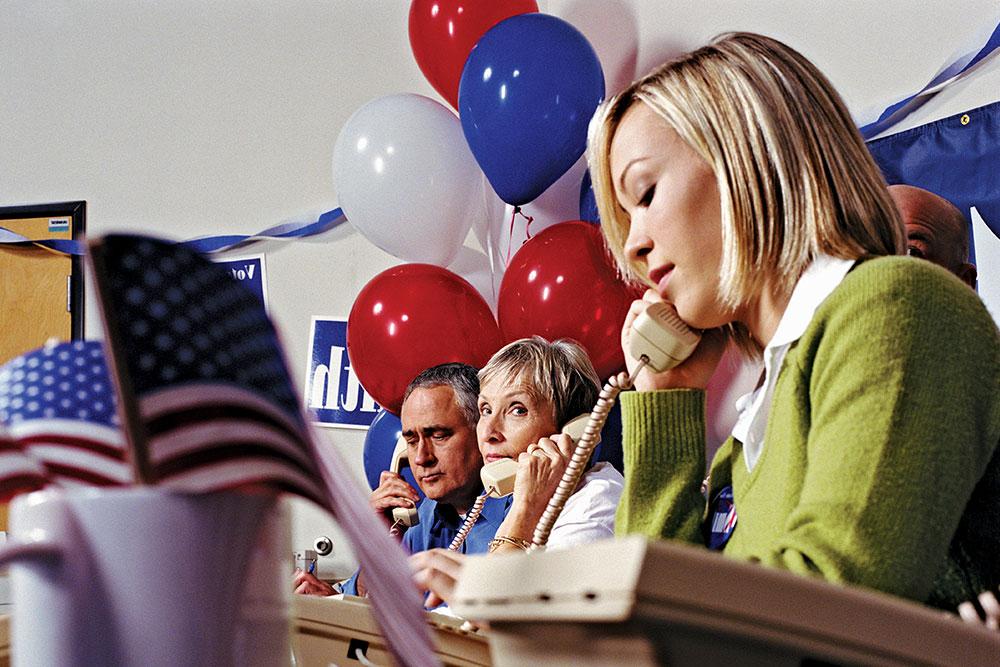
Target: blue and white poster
333,392
249,272
957,158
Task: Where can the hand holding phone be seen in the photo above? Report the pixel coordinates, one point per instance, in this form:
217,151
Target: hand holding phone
394,495
679,357
499,477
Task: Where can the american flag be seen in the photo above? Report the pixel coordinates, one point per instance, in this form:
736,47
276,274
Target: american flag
19,473
203,378
208,404
57,405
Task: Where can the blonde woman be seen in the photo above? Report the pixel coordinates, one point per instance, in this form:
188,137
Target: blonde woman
528,391
733,182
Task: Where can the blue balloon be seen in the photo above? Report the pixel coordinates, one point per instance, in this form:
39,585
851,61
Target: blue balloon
380,441
528,90
588,202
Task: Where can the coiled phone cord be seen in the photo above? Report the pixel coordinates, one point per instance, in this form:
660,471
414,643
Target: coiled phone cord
470,520
581,454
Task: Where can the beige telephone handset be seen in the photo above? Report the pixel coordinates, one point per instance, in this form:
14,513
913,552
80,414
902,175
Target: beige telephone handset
659,339
406,516
662,337
498,477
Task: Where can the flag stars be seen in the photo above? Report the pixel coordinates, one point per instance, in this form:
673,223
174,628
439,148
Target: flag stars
135,296
152,279
140,328
146,362
158,310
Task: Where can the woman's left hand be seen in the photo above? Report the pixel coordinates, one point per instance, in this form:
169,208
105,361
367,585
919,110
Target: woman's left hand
436,571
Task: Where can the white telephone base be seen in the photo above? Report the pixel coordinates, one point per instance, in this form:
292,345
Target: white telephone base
637,602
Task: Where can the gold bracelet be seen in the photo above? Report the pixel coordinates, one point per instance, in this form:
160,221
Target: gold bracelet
495,543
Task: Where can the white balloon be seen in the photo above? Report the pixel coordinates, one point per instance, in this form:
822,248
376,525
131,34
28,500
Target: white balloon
406,178
476,267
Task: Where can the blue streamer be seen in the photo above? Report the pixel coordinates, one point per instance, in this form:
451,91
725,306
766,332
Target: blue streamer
207,245
950,73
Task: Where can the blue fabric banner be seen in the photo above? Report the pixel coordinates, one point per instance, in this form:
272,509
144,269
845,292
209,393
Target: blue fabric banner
957,158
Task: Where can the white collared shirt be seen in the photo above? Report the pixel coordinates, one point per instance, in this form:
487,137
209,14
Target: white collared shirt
816,283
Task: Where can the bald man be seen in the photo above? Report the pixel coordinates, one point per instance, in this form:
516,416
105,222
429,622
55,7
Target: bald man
935,230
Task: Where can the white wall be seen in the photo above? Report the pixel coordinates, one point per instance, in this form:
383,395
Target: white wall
184,118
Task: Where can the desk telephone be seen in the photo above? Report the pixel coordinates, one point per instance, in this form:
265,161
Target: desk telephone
660,340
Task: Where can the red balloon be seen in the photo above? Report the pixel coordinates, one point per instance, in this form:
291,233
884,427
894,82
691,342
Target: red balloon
411,317
563,284
443,32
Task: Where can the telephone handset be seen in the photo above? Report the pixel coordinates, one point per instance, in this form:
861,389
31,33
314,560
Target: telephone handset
498,477
662,337
659,339
406,516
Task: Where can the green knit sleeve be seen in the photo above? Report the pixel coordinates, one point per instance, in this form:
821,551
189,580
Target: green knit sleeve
663,441
902,368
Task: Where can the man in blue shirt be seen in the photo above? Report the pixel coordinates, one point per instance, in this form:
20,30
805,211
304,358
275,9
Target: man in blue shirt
439,417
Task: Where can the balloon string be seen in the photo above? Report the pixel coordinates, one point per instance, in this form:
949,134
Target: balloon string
510,235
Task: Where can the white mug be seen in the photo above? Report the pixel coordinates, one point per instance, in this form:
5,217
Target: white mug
143,576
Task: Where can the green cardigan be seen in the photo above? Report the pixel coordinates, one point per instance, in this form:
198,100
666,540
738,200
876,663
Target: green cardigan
880,464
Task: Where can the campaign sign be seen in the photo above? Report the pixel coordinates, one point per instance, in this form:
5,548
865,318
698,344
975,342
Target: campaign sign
333,392
249,272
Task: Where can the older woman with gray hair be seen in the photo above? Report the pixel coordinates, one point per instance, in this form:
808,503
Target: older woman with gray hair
528,391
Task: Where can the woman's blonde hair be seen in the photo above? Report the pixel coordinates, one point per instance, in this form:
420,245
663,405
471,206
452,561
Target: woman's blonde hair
794,176
559,372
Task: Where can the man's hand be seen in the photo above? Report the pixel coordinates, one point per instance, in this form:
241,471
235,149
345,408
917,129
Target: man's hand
307,584
392,491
